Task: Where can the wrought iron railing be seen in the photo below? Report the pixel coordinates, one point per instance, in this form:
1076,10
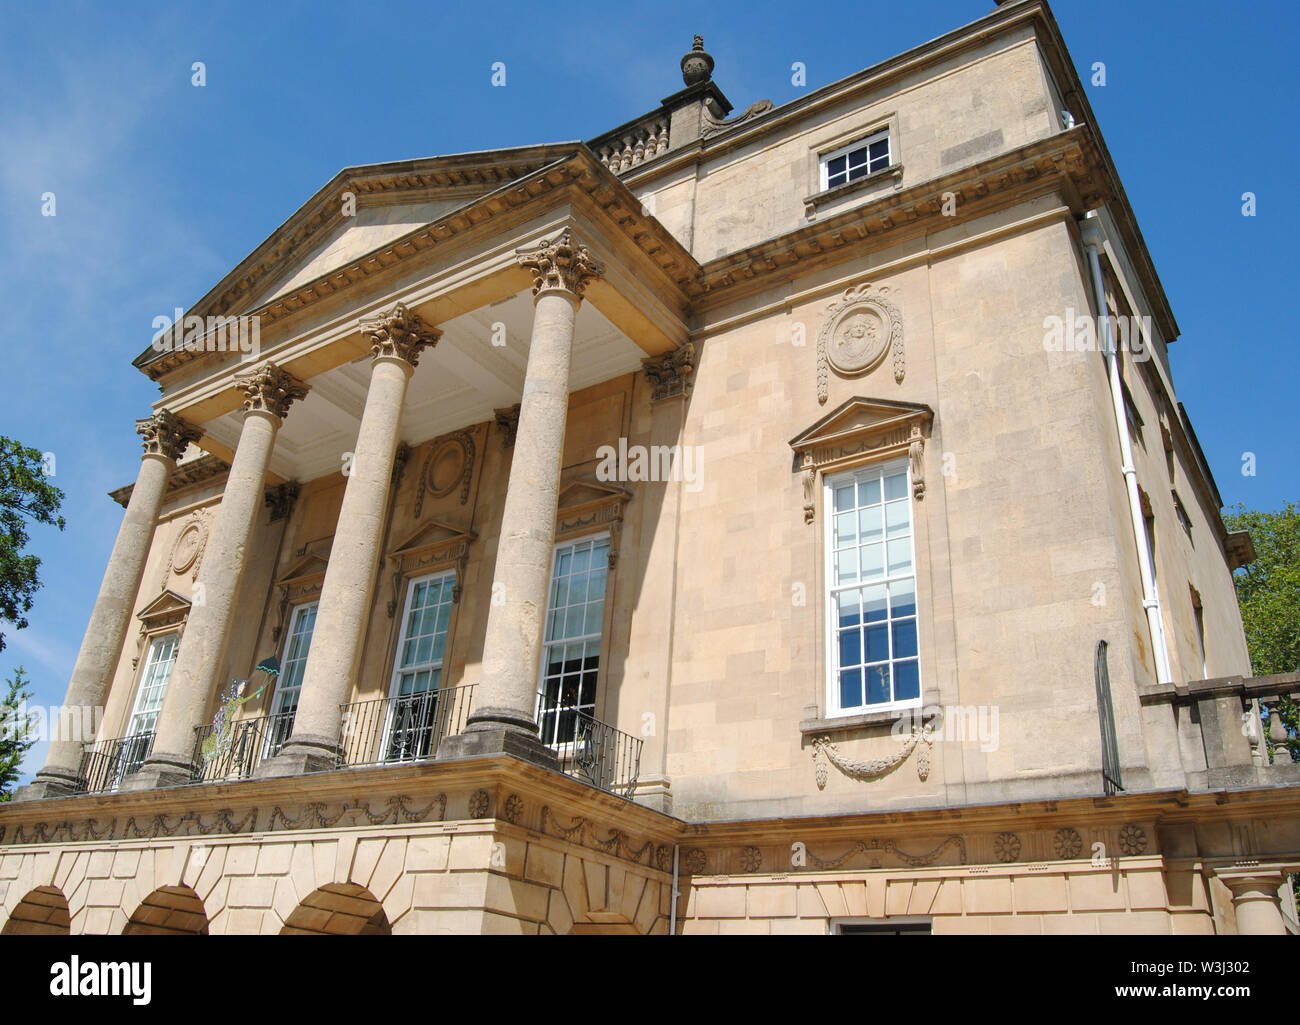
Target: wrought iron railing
106,763
402,729
602,756
236,753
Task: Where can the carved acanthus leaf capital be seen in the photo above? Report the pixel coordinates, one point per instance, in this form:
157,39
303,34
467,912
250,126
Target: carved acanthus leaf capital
507,421
270,389
671,373
166,434
561,263
399,333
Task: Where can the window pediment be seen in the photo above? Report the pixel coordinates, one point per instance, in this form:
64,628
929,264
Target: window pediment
586,504
860,429
435,544
302,580
168,609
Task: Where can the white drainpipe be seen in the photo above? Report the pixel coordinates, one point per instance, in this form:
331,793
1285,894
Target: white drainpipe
1092,240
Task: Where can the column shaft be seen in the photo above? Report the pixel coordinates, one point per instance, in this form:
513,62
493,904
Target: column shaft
109,619
507,694
349,580
201,657
505,715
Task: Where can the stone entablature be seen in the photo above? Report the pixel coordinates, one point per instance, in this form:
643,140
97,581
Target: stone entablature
494,845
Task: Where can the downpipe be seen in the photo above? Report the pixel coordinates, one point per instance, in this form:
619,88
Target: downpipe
1091,231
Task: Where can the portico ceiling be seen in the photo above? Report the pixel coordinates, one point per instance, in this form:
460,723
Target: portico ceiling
461,381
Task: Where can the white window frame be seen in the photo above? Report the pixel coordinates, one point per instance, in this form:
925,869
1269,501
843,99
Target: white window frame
278,698
832,587
398,669
863,142
145,682
565,748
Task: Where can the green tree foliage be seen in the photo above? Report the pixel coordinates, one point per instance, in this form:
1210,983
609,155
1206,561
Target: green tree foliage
26,496
1268,592
14,737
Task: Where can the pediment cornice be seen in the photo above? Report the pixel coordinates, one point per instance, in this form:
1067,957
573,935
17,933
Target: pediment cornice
574,168
859,430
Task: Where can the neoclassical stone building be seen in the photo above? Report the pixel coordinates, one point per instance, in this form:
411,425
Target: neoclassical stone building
789,509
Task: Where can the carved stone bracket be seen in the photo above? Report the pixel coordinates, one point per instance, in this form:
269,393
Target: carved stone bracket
400,458
436,545
560,263
270,389
672,373
398,333
507,421
586,504
859,430
860,329
166,434
281,499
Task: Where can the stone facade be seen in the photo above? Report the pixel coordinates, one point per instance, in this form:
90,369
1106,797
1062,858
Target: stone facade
441,383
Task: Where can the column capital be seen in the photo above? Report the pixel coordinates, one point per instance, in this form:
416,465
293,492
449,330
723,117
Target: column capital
670,373
270,389
560,264
166,434
398,333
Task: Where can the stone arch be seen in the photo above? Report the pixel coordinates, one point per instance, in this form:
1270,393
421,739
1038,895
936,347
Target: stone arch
43,912
338,909
169,911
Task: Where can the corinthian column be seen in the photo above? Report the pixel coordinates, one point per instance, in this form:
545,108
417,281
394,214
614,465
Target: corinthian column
396,339
165,439
505,717
201,658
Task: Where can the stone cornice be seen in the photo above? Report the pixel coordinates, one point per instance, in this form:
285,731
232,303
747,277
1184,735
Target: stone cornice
1067,162
578,170
202,470
912,62
394,181
271,805
1162,806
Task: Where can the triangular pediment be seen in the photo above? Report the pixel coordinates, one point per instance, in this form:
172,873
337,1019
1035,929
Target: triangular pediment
361,211
861,416
431,534
586,491
309,567
167,606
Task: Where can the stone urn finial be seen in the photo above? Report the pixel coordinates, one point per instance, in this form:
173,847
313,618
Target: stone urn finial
697,66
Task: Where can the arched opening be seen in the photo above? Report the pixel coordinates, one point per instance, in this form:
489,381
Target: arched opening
43,912
169,911
338,909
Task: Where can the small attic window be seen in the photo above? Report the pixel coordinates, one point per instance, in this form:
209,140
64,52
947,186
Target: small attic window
856,160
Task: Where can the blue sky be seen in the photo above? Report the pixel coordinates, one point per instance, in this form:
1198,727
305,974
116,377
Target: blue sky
162,187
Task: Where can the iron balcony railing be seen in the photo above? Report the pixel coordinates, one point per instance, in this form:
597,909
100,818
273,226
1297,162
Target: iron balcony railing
601,755
402,729
106,763
238,751
410,728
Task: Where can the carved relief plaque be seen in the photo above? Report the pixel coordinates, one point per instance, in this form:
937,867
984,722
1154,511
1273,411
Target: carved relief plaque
862,327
